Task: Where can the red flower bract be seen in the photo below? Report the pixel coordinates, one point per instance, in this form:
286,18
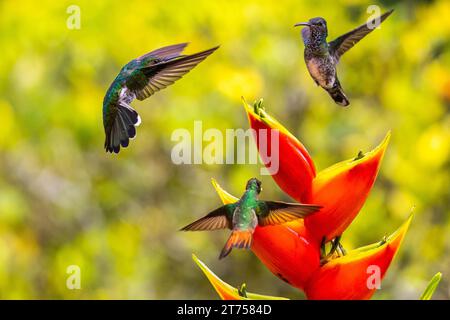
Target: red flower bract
342,190
295,259
292,250
354,275
296,168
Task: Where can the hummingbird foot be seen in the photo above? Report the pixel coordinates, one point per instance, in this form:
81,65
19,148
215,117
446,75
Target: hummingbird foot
336,250
341,250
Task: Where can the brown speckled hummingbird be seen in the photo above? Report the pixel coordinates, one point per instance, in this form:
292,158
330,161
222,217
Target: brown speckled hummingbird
321,57
140,78
243,216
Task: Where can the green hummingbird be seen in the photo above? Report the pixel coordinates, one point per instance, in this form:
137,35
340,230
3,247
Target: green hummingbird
140,78
243,216
322,57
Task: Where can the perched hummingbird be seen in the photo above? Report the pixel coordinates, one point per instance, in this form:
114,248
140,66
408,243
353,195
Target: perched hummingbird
321,57
243,216
140,78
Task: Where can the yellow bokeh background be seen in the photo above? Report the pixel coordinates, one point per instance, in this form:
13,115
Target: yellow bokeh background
64,201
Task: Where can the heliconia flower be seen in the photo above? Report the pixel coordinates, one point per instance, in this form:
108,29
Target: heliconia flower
228,292
295,258
288,250
358,274
341,189
292,251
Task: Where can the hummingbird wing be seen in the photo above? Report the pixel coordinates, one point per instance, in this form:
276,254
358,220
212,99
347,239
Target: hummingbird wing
164,53
217,219
278,212
164,73
342,44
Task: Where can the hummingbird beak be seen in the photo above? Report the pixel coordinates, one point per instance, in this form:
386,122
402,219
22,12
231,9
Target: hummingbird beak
304,24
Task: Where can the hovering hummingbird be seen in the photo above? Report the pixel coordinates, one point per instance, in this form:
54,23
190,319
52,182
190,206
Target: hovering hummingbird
321,57
140,78
243,216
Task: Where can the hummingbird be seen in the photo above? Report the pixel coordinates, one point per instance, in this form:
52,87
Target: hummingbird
243,216
139,79
321,57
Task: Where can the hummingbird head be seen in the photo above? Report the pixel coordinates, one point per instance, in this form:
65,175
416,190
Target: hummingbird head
254,184
315,27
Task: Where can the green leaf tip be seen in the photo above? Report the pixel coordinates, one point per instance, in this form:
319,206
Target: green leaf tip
431,287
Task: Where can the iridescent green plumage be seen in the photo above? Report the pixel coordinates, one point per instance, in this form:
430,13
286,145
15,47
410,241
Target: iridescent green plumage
140,78
243,216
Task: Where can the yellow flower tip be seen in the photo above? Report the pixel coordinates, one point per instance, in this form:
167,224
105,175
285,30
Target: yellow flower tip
376,154
214,183
248,107
378,150
224,195
226,291
397,237
223,289
384,143
199,262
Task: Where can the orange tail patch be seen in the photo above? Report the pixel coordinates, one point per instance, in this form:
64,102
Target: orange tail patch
241,239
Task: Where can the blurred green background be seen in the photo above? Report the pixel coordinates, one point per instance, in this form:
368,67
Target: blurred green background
64,201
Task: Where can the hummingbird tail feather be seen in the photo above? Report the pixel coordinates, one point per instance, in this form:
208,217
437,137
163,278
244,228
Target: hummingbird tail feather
241,239
123,128
338,95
